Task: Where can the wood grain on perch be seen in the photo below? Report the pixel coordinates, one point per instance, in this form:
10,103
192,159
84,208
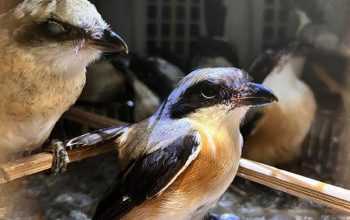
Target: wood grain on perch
306,188
297,185
42,162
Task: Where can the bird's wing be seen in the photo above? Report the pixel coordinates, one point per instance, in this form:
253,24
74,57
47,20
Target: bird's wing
148,176
249,124
97,137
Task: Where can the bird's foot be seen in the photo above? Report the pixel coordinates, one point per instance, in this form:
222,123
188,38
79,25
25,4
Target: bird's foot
60,157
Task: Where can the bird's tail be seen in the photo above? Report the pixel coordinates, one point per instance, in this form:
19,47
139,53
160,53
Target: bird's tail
96,137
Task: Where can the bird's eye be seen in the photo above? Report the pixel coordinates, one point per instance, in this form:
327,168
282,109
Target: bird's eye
54,28
208,93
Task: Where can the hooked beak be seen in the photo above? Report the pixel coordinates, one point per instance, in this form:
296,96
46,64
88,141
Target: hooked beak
257,95
111,42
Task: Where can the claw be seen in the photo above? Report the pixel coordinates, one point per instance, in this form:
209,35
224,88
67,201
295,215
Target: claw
60,157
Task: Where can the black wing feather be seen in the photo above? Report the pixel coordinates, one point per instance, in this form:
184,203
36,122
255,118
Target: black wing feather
146,177
250,122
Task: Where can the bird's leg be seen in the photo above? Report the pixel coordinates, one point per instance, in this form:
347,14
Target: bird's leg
60,157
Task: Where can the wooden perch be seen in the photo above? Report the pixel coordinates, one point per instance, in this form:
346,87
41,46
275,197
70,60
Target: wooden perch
329,195
299,186
306,188
43,161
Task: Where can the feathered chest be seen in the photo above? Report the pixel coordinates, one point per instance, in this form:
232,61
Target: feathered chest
33,98
30,89
220,156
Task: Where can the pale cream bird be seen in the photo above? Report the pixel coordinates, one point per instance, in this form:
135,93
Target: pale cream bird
45,47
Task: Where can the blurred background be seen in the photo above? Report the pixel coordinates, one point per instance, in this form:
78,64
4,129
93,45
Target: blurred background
170,38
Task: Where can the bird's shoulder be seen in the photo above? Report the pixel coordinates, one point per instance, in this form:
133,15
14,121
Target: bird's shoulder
150,135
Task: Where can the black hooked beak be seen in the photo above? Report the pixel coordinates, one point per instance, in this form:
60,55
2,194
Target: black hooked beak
111,42
256,95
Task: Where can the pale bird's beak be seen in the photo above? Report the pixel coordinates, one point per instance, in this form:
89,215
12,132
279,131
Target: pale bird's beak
256,95
111,42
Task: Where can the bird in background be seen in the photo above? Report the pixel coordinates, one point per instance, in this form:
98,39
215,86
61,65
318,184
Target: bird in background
177,163
274,134
318,35
152,70
263,65
45,47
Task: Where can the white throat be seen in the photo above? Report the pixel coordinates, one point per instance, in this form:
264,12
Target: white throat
222,124
65,61
218,118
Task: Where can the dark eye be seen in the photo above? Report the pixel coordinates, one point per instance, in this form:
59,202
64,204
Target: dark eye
209,93
55,28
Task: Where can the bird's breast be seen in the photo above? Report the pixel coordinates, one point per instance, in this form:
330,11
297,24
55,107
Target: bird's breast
213,171
217,164
33,99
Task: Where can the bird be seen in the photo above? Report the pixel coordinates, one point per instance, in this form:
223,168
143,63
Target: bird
123,96
177,163
114,97
154,69
45,47
146,100
274,134
316,34
213,52
263,65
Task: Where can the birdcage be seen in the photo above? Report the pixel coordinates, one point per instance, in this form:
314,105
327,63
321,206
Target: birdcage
168,39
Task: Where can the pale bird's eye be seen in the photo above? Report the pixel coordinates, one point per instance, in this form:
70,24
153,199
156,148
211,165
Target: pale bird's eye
208,93
55,28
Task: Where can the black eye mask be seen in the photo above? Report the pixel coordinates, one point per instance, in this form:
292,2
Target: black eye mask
200,95
51,30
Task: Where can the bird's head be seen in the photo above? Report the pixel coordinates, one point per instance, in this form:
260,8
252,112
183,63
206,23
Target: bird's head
264,64
215,93
62,32
289,61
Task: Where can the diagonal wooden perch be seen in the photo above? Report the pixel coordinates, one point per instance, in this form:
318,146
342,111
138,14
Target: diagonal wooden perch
297,185
43,161
306,188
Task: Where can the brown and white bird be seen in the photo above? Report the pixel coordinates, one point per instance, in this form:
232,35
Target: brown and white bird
177,163
274,134
45,47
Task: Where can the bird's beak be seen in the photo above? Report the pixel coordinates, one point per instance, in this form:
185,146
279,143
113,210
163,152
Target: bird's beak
256,95
111,42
